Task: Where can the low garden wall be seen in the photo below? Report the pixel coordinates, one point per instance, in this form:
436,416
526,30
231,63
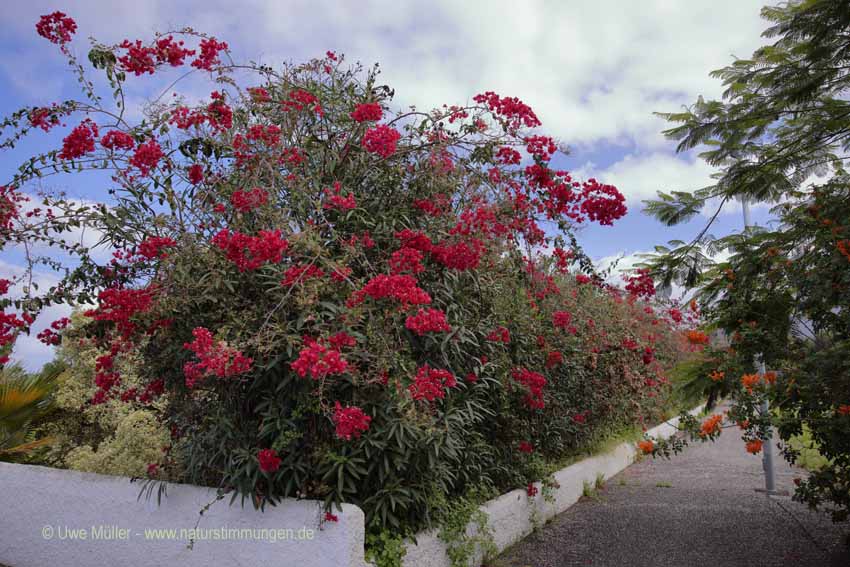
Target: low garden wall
53,518
59,517
513,515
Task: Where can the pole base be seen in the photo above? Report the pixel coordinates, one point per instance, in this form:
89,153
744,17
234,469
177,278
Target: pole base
773,492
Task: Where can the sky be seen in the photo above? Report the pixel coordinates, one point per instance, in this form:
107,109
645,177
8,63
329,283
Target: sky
593,71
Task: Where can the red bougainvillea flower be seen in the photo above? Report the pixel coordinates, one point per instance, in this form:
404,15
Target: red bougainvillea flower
9,207
640,284
515,113
540,147
675,315
843,246
259,94
711,426
117,140
301,274
120,305
171,52
508,156
535,383
215,358
525,447
430,321
51,336
10,326
754,446
244,201
531,490
299,99
45,118
647,446
336,201
554,358
350,422
406,260
331,517
464,255
80,141
402,288
140,59
844,409
195,174
416,240
251,252
269,460
500,335
648,355
341,339
435,206
219,116
431,383
381,140
147,156
151,247
582,279
318,361
602,203
367,112
563,258
56,28
210,48
561,319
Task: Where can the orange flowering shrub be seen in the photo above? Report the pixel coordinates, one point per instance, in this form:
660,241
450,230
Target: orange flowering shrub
696,337
750,381
717,376
779,291
711,426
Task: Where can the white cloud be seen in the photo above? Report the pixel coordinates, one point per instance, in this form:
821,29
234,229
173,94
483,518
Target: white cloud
593,71
28,350
641,177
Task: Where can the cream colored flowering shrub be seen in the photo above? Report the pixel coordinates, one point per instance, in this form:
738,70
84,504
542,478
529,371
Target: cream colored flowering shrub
137,442
116,437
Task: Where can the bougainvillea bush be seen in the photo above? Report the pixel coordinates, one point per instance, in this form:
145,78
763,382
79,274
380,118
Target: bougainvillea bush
321,297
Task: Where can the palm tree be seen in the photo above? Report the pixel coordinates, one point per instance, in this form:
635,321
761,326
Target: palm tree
24,398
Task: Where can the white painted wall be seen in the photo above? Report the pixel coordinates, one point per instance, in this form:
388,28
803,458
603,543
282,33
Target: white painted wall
39,506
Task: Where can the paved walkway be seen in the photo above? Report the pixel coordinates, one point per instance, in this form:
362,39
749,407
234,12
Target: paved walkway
698,509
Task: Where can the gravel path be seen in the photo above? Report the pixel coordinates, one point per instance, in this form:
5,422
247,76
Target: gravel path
698,509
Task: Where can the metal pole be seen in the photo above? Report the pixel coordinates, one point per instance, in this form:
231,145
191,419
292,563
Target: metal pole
764,409
767,457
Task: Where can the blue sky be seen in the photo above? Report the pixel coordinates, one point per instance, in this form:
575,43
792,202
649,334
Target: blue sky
593,71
